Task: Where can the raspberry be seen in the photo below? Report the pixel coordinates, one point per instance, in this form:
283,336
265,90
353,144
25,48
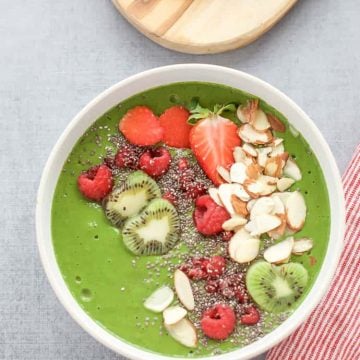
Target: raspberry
215,266
212,286
233,286
127,157
226,235
170,196
96,182
195,269
183,164
218,322
251,316
155,162
208,216
188,183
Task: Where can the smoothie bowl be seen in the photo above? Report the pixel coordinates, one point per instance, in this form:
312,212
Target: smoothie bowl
190,211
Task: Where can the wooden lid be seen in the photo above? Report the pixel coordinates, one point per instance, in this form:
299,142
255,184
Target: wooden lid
203,26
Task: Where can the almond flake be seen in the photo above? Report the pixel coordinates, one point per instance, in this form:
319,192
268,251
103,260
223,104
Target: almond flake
280,230
263,155
284,183
292,170
227,190
248,134
273,166
214,194
279,207
234,222
241,156
250,150
264,205
160,299
184,332
260,122
253,171
280,252
275,123
183,289
262,224
239,206
301,246
283,196
244,250
173,314
247,113
277,150
224,173
238,172
295,211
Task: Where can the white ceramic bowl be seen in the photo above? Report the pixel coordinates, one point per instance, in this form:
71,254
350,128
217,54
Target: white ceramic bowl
162,76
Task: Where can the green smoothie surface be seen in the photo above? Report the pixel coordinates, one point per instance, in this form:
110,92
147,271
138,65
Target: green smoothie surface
109,282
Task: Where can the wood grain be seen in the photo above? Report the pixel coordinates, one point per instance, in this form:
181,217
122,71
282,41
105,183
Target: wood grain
203,26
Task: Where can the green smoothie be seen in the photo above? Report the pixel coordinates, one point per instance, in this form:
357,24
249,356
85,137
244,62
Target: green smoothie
109,282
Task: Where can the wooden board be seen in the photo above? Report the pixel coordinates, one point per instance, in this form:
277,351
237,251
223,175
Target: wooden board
203,26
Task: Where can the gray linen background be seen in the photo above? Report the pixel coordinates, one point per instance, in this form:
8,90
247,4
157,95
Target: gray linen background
55,56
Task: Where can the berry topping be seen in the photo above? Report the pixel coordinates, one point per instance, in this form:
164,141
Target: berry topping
155,162
175,126
215,266
195,269
183,164
170,196
218,322
233,286
141,127
96,182
251,316
208,216
226,235
212,286
213,140
127,157
188,183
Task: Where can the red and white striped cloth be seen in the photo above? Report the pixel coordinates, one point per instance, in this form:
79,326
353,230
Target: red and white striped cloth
332,332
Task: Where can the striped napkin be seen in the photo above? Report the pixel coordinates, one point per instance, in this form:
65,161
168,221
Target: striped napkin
332,332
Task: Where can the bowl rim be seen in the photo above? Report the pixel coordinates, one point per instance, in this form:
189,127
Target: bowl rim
336,198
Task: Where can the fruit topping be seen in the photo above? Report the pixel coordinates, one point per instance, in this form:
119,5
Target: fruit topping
170,196
183,290
140,126
173,314
96,182
213,140
130,197
295,211
175,126
280,252
127,157
215,267
184,332
155,162
251,316
302,245
154,231
218,322
233,287
160,299
209,216
226,235
204,268
276,288
190,185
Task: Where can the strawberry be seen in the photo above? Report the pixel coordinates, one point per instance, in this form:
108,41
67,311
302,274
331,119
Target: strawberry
141,127
218,322
213,140
175,126
96,182
209,216
251,316
155,162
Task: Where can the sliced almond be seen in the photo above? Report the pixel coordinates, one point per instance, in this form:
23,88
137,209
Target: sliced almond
214,194
234,222
295,211
251,204
173,314
253,171
241,156
247,113
249,150
238,172
239,206
273,166
240,235
283,196
263,155
280,230
264,205
244,250
280,252
160,299
260,122
284,183
277,150
224,173
184,332
302,245
262,224
275,123
292,170
183,289
277,141
279,207
248,134
254,187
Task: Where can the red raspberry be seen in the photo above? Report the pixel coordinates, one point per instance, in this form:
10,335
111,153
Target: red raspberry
183,164
96,182
251,316
192,187
155,162
195,269
218,322
208,216
227,235
216,266
170,196
127,157
212,286
233,286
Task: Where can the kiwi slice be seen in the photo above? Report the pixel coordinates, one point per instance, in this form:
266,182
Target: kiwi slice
154,231
131,197
276,288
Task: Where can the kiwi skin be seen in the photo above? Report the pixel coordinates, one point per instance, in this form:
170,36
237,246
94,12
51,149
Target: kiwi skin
158,210
276,288
136,182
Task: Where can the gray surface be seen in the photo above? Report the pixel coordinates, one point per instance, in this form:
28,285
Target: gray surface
55,56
